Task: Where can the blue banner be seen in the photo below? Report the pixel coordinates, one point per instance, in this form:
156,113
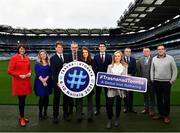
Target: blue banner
123,82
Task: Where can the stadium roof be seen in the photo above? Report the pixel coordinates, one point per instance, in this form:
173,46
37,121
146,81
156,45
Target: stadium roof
145,14
64,32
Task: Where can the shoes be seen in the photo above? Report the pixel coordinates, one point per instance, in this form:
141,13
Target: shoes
79,120
125,110
151,114
145,111
109,124
40,116
26,120
116,122
22,122
45,115
133,111
67,118
167,120
157,117
90,120
55,120
96,113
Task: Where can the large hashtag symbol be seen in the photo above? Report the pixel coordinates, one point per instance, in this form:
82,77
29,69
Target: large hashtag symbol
77,77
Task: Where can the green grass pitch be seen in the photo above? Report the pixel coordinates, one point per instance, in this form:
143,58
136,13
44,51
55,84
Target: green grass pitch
7,98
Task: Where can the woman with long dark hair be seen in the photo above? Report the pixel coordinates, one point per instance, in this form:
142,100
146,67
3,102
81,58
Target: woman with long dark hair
86,58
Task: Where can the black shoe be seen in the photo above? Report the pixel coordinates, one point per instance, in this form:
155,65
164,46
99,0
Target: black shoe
133,111
125,110
40,117
55,120
90,120
96,113
79,120
67,118
45,115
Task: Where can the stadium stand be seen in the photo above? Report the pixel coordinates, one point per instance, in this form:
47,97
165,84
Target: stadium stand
135,34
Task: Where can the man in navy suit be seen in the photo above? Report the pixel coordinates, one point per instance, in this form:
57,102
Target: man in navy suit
128,101
57,61
101,61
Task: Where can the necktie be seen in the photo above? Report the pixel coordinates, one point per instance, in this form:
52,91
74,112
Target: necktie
74,56
102,58
61,58
127,60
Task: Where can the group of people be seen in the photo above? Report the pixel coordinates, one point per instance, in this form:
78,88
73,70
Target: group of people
160,71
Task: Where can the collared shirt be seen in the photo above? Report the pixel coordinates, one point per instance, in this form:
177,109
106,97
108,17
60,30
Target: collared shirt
102,56
74,56
146,59
158,56
127,59
61,56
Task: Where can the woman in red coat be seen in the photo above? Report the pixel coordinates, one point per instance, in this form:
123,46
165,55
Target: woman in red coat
19,69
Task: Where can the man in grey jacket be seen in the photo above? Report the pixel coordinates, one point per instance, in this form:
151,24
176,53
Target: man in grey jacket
163,75
149,95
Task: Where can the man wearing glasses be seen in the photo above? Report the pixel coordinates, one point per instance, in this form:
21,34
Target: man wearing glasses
163,75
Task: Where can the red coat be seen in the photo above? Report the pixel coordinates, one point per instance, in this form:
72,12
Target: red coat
16,67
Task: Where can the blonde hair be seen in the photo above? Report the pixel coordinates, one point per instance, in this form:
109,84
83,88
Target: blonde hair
39,58
122,58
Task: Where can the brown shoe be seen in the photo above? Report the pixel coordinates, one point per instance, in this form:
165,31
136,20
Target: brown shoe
151,114
157,117
167,120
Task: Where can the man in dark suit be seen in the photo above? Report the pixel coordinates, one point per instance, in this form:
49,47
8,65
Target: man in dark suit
144,64
57,61
128,101
101,61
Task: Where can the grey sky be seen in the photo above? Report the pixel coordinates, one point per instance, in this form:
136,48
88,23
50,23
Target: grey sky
62,13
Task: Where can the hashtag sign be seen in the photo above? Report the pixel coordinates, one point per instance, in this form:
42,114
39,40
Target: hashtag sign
76,79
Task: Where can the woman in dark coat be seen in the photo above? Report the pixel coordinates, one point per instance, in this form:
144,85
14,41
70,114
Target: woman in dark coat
86,58
42,84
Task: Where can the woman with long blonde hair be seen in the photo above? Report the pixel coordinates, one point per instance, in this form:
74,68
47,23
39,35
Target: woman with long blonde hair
118,67
42,84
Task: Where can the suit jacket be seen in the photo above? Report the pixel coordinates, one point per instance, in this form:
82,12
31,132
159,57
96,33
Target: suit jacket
145,69
102,66
70,58
132,66
56,66
93,67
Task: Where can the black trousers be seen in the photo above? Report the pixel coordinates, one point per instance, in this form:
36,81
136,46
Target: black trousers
21,105
56,101
128,101
68,104
98,97
43,103
110,106
163,90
